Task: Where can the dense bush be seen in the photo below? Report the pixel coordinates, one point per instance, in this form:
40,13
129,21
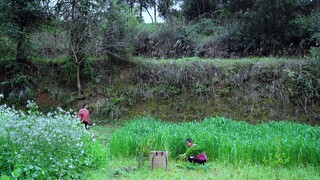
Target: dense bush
305,84
119,31
50,44
15,83
225,45
37,146
193,9
168,40
6,48
275,28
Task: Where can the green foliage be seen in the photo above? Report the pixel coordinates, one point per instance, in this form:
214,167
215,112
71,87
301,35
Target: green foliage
50,44
19,19
68,71
193,9
89,73
304,85
127,169
235,6
172,39
112,108
144,149
279,159
119,31
195,150
205,27
96,28
6,48
277,143
262,28
166,9
224,45
226,29
168,88
38,146
15,85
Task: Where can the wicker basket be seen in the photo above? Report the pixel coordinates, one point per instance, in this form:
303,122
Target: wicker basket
159,159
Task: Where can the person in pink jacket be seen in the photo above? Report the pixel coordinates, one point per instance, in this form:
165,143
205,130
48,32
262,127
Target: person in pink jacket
83,114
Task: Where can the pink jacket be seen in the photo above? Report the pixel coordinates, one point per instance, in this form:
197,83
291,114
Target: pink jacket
83,114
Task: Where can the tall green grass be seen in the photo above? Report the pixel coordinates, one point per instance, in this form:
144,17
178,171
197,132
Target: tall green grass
274,143
219,62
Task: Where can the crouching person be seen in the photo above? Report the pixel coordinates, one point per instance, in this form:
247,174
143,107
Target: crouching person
195,153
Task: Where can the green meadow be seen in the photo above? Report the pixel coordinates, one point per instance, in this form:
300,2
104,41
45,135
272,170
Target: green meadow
235,150
56,145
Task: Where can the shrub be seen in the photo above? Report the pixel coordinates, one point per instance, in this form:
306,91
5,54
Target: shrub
35,145
6,48
119,31
305,84
16,85
169,40
226,45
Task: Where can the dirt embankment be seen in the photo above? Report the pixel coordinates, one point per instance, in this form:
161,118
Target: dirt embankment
175,91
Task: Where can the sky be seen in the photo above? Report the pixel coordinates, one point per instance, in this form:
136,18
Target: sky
147,18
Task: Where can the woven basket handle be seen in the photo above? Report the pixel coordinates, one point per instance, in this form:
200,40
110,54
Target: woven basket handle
161,154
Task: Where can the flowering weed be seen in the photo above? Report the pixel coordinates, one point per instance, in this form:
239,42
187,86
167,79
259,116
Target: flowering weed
37,146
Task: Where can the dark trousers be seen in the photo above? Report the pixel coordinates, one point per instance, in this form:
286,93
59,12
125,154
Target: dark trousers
193,160
85,124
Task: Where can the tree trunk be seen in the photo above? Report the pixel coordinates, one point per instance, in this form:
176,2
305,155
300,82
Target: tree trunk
149,15
21,52
78,80
131,6
140,11
155,11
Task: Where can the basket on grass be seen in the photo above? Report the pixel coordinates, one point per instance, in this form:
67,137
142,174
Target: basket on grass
159,159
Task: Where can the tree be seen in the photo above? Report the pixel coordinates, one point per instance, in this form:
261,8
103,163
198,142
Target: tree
119,31
268,26
195,8
165,7
81,18
236,6
20,18
143,5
